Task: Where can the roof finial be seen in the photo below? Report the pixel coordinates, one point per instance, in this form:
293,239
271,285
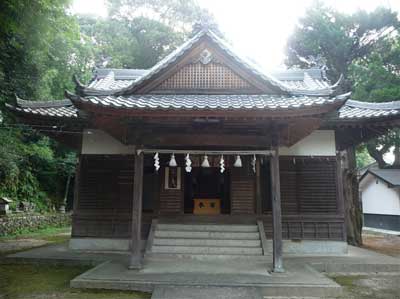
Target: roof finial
205,24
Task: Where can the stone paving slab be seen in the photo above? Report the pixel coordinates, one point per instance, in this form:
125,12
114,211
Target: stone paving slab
297,280
300,279
172,292
358,260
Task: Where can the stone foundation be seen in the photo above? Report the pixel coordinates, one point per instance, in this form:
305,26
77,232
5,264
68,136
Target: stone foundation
17,223
101,244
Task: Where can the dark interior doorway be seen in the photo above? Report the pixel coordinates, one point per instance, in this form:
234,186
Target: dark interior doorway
207,183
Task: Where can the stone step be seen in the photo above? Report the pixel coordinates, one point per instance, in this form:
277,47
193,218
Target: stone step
208,227
201,292
206,242
207,250
206,235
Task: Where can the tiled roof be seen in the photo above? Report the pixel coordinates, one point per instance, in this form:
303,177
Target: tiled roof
350,111
63,108
363,110
115,79
390,176
125,82
208,101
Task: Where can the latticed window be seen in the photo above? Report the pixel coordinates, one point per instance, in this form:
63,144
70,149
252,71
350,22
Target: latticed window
205,76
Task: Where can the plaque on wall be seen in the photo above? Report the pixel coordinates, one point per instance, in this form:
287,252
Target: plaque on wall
172,178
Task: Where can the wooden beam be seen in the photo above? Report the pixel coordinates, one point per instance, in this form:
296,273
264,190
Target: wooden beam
276,212
249,141
136,254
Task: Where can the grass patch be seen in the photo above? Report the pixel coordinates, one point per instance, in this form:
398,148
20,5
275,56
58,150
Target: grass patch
51,281
51,234
347,281
373,286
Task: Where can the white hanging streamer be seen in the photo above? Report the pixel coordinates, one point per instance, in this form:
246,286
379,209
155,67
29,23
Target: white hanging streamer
205,163
238,162
222,164
253,163
188,163
156,162
172,162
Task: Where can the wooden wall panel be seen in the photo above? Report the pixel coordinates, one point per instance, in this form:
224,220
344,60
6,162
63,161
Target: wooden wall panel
105,198
242,190
308,185
311,227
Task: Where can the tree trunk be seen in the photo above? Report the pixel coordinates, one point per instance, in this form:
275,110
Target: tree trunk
352,203
396,152
377,154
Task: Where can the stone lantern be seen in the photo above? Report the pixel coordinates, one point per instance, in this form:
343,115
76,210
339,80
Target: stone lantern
5,205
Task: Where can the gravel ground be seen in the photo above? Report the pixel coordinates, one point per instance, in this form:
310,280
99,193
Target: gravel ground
386,244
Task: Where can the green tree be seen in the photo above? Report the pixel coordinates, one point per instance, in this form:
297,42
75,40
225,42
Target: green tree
40,48
138,33
376,78
137,43
343,44
178,14
328,37
363,157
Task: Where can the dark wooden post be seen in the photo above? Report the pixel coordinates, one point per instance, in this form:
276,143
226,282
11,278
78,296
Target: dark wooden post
276,212
136,254
258,188
340,192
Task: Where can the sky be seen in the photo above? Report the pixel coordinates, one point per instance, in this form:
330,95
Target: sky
259,29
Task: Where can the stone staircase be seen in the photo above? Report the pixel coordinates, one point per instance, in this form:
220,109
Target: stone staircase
206,239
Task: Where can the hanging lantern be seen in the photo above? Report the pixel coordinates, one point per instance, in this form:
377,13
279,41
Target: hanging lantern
238,162
205,162
188,163
222,164
172,162
156,162
253,163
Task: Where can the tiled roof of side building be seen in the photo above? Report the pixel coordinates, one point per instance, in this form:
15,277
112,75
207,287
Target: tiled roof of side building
61,108
390,176
354,110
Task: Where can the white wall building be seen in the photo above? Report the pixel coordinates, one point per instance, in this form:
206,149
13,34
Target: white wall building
380,193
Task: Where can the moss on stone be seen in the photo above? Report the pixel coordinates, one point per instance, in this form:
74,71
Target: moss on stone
50,281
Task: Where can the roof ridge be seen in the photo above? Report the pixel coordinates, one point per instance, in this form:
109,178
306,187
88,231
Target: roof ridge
39,104
267,79
371,105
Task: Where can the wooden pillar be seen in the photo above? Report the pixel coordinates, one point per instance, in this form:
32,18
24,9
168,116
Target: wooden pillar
78,166
136,254
276,212
340,192
258,188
